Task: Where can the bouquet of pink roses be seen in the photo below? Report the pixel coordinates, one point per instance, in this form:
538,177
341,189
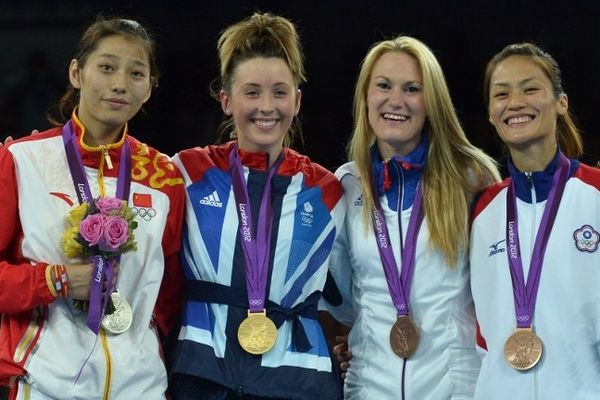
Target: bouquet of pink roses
104,227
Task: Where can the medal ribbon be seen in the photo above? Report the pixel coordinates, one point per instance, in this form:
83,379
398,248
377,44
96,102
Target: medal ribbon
255,244
103,269
525,294
398,286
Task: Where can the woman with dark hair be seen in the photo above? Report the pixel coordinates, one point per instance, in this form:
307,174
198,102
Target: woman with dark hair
534,241
90,231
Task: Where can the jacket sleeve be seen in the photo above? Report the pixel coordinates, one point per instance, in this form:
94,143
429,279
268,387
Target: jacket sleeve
171,295
337,297
22,284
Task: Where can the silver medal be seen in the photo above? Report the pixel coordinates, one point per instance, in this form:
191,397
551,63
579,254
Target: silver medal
120,320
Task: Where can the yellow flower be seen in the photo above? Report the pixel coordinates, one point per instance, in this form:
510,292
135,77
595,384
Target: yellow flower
77,214
70,245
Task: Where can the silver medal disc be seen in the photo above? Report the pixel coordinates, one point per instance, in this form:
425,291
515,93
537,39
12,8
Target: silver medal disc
120,320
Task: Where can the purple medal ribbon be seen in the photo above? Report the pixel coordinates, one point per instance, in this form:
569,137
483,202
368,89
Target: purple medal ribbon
103,269
525,294
399,286
256,246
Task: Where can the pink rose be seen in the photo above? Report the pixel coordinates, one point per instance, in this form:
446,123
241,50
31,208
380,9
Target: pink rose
109,205
92,228
115,234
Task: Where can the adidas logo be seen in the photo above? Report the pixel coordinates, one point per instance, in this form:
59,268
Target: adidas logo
212,200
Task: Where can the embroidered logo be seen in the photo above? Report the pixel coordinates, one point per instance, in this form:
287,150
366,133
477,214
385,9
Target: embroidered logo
144,213
358,201
586,238
212,200
63,196
494,249
307,214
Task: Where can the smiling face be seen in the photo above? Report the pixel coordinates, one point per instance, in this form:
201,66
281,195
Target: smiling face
396,104
263,100
523,106
113,84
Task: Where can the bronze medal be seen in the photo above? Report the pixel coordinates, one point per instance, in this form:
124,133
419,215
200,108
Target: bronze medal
257,334
120,319
523,349
404,336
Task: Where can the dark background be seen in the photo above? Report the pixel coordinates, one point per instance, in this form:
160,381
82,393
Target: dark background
38,38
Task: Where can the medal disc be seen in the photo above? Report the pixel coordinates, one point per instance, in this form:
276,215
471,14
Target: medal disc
257,333
120,320
404,337
523,349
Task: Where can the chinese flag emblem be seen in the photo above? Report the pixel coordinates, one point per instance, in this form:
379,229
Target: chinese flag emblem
142,200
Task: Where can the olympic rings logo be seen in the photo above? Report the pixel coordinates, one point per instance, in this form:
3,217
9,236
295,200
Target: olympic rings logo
256,302
523,318
145,213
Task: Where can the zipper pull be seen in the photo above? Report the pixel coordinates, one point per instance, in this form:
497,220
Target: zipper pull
529,176
107,158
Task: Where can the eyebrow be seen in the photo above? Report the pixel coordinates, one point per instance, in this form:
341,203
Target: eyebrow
115,57
388,79
520,83
259,85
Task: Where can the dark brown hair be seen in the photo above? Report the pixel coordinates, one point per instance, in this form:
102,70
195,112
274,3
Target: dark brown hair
93,35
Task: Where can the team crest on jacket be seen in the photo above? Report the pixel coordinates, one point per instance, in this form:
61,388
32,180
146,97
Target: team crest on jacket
358,201
307,214
586,238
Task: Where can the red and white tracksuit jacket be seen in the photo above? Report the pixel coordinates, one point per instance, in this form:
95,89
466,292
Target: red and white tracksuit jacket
43,341
567,310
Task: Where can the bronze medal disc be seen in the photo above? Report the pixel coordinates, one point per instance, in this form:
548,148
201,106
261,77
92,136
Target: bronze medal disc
523,349
404,336
257,333
120,319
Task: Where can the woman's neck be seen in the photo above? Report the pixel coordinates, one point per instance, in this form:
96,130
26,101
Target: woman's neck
532,159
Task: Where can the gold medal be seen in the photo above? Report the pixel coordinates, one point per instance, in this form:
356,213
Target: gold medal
523,349
257,333
120,319
404,336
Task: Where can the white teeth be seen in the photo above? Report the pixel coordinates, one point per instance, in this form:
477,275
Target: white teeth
519,120
265,124
395,117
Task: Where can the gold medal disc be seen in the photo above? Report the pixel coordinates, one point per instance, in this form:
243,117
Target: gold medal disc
523,349
257,334
404,337
120,319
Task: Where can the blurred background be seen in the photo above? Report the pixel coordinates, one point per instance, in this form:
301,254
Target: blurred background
38,39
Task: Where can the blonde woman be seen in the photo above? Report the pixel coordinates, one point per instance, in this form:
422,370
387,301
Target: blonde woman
401,262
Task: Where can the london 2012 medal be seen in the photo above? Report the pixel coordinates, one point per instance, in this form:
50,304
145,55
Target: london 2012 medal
404,337
120,319
523,349
257,334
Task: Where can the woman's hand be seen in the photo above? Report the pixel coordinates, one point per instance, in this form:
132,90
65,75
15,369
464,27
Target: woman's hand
80,280
10,138
342,354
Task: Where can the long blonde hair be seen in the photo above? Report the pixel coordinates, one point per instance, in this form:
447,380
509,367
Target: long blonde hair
455,169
